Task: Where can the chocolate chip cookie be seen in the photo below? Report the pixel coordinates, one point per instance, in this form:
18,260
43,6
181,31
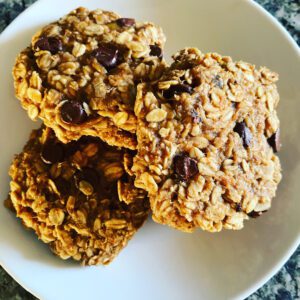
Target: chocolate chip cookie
79,74
207,136
69,195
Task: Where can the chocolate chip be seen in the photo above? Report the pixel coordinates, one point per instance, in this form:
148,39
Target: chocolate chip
63,186
156,51
195,116
218,82
73,233
125,178
50,197
72,112
238,207
115,203
174,196
107,55
91,175
185,167
254,214
87,174
87,139
234,105
52,153
71,148
51,44
274,141
177,89
125,22
195,82
244,132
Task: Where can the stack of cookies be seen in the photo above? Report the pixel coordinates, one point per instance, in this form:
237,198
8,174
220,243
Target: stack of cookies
125,134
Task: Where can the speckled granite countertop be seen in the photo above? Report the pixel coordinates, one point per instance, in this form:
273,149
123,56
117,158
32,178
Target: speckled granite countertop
285,285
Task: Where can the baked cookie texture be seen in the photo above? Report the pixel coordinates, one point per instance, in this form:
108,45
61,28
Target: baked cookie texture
79,74
69,195
207,136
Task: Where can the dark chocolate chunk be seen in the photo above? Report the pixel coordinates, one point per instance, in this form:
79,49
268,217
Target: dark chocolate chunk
174,196
73,233
51,44
254,214
88,174
177,89
184,166
274,141
125,22
244,132
70,148
87,139
234,105
63,186
196,82
107,55
50,197
52,153
91,175
155,50
72,112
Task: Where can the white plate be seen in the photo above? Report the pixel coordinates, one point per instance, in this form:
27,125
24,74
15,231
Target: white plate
161,263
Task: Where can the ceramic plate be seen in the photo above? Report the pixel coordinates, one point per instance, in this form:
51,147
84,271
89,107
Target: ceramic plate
161,263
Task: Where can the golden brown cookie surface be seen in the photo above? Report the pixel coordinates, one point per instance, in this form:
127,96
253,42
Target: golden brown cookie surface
207,133
79,74
68,194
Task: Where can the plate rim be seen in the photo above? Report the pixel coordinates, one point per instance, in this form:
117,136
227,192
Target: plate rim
288,253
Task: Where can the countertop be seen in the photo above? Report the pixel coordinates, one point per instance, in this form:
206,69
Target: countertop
285,285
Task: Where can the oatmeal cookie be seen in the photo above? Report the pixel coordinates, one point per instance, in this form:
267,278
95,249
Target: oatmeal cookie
207,136
79,74
69,195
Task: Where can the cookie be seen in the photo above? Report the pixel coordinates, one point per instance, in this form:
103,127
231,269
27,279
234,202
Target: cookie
207,136
69,195
79,74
